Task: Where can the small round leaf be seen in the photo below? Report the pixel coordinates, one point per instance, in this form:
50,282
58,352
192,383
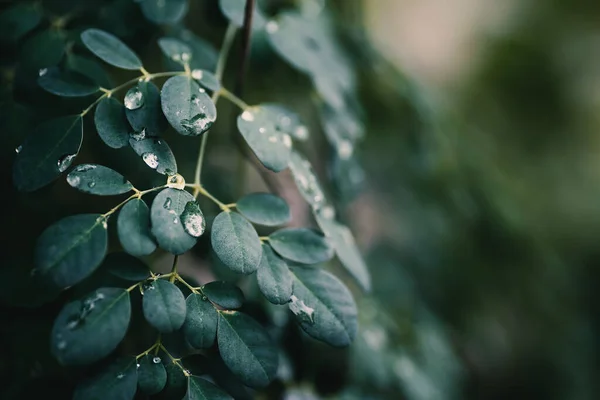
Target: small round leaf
301,245
264,209
236,242
206,79
164,306
224,294
306,180
152,376
175,49
111,123
98,179
287,121
148,117
66,83
117,381
110,49
201,389
273,276
167,226
200,326
133,228
156,153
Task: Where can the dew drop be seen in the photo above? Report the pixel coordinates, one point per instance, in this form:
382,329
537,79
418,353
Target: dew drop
121,376
167,203
73,180
18,149
192,219
287,140
156,360
65,162
85,167
137,136
137,365
301,310
273,139
176,182
327,212
197,74
134,98
345,149
91,184
272,27
43,71
150,159
247,116
204,298
175,220
176,57
61,345
185,57
196,125
301,132
195,99
201,90
262,130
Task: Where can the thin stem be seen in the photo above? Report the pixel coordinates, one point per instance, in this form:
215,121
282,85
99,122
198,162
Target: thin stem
264,238
174,269
193,289
174,360
138,194
227,42
234,99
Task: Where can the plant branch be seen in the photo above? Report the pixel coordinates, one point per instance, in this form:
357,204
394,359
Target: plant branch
245,50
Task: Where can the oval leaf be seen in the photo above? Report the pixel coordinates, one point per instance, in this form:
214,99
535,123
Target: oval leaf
201,389
234,10
224,294
176,382
200,326
47,152
89,68
110,49
111,123
206,79
306,180
236,242
175,49
167,226
152,376
301,245
147,118
204,54
188,108
98,179
164,306
89,329
264,209
118,381
287,121
133,228
19,19
247,349
164,11
66,83
43,50
71,249
273,276
323,306
156,153
126,267
271,146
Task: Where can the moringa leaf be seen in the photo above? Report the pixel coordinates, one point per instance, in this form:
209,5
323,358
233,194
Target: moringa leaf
110,49
133,228
200,326
66,83
224,294
236,242
234,10
152,376
156,153
301,245
274,279
117,381
111,123
19,19
145,114
264,209
126,266
164,306
175,49
166,214
201,389
98,179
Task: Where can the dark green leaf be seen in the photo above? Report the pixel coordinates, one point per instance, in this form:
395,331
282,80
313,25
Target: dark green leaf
89,68
264,208
89,329
323,306
247,349
301,245
175,49
234,11
259,128
133,228
236,242
287,121
167,226
47,152
117,382
223,293
164,306
204,54
111,123
43,50
156,153
342,241
126,267
152,376
110,49
206,79
98,179
200,326
164,11
176,383
306,180
66,83
19,19
274,279
188,108
148,117
71,249
201,389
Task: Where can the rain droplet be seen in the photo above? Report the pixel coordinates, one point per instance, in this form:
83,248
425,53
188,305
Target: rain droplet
197,74
150,159
104,223
65,162
185,57
84,168
91,184
345,149
156,360
18,149
73,180
301,310
121,376
247,116
202,91
42,71
192,219
262,130
273,139
204,298
137,365
175,220
195,99
287,140
134,98
61,345
326,212
176,57
167,204
176,182
196,125
301,132
137,136
272,27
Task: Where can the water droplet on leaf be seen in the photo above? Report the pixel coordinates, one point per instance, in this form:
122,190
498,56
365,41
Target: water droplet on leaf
301,310
272,27
247,116
73,180
273,139
156,360
287,140
176,182
150,159
301,132
42,71
196,125
61,345
345,149
134,98
197,74
65,162
121,376
167,203
91,184
137,136
193,220
18,149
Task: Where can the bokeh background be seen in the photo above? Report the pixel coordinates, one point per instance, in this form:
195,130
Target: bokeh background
476,203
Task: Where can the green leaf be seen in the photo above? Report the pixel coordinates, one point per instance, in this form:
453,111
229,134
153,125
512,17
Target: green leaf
126,267
89,68
110,49
342,240
71,249
164,306
236,242
47,152
148,117
204,54
176,382
200,326
164,11
188,108
156,153
167,227
223,293
44,49
17,20
201,389
89,329
133,228
274,279
323,306
98,179
118,382
306,180
206,79
301,245
66,83
175,49
264,209
287,120
234,10
111,123
152,376
247,349
271,146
